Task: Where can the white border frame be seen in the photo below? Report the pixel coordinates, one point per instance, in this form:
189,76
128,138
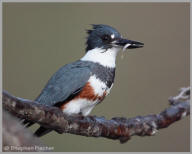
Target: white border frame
90,1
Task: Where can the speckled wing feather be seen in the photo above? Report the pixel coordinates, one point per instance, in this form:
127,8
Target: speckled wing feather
67,81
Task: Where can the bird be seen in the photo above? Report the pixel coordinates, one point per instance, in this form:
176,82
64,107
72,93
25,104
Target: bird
76,88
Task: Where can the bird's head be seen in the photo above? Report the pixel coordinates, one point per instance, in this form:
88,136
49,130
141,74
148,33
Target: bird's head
106,37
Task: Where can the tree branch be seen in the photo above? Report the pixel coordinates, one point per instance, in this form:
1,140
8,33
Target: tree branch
117,128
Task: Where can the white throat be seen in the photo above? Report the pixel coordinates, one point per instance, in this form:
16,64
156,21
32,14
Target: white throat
102,56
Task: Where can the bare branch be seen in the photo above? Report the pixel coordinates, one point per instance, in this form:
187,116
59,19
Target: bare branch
117,128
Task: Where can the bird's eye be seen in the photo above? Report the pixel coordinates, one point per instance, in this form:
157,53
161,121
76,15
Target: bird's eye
106,38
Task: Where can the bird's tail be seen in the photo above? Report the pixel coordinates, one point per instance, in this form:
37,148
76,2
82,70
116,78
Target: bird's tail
26,123
42,131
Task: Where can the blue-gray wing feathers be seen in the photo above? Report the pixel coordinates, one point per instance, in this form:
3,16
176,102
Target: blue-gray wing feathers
66,81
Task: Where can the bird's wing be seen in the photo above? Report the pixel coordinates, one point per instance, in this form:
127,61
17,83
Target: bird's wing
66,82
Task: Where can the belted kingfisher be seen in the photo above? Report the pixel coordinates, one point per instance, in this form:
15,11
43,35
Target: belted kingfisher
77,87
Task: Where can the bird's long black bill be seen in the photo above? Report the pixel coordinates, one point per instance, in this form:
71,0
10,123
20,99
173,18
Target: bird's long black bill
129,44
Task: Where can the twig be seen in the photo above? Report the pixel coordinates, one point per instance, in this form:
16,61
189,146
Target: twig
117,128
183,95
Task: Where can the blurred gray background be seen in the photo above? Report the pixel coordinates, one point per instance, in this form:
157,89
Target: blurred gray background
38,38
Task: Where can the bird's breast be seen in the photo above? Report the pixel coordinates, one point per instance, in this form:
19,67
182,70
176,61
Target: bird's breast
92,93
104,74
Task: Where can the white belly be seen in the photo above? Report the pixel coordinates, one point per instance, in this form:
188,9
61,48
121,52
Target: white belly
84,105
77,106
